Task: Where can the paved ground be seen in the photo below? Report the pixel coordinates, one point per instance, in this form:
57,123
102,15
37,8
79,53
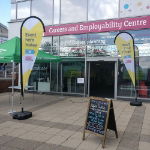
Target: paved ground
57,124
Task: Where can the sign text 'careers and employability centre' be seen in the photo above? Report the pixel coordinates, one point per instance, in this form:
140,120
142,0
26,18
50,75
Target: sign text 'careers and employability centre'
99,26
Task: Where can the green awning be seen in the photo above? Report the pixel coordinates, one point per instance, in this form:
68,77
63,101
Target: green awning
44,57
10,52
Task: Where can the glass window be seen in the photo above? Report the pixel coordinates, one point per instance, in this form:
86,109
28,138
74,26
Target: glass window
43,9
13,11
56,11
125,86
55,49
142,53
50,45
20,0
40,77
101,44
142,41
73,11
23,9
54,77
46,44
72,71
73,45
13,1
102,9
143,77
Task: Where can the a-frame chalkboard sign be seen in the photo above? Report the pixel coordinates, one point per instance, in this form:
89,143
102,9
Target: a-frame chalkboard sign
100,117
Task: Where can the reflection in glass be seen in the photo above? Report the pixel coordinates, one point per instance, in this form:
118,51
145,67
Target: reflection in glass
40,77
19,0
43,9
73,45
125,86
54,77
142,53
13,1
49,46
23,10
46,44
55,48
102,9
60,77
73,11
72,71
144,77
13,11
56,11
101,44
142,41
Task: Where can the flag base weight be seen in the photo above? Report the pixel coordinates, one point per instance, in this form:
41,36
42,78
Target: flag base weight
136,103
22,115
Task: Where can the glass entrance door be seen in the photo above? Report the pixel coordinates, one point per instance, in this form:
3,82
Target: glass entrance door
102,78
71,73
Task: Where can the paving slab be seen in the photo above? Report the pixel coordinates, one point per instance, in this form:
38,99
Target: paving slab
58,121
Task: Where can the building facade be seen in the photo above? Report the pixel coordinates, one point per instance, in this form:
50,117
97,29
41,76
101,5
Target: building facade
3,33
3,38
82,32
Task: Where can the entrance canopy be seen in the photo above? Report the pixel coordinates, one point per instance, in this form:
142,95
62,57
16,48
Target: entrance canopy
10,52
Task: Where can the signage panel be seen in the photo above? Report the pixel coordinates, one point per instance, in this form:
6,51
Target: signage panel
100,117
99,26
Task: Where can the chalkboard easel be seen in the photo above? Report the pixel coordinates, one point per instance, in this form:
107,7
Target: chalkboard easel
100,117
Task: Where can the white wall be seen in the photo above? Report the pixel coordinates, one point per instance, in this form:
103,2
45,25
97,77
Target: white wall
14,29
